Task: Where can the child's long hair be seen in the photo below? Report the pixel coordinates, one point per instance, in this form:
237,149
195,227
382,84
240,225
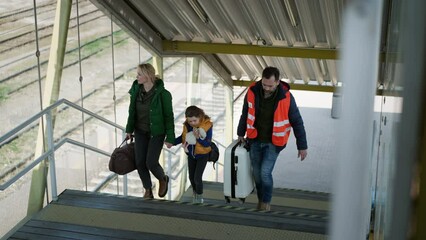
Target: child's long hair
194,111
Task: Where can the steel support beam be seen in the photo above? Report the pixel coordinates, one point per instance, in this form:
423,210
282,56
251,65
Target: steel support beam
241,49
50,95
212,61
216,65
128,19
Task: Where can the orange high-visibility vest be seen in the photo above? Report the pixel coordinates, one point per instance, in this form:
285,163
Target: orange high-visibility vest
281,129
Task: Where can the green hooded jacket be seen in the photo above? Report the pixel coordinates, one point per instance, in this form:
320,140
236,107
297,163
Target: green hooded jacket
161,111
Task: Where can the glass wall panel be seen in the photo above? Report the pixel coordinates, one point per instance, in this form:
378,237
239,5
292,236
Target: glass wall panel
19,80
20,86
214,96
175,81
99,67
390,114
109,57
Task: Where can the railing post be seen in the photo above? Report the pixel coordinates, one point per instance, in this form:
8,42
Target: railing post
125,176
125,185
50,147
169,173
217,171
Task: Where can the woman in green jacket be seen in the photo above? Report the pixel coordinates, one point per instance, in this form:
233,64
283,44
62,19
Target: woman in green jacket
152,122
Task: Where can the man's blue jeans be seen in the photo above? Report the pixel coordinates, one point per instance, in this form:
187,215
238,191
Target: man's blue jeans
263,157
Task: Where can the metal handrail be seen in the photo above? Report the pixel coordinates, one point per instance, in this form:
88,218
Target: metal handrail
49,153
102,184
175,176
54,147
50,108
21,173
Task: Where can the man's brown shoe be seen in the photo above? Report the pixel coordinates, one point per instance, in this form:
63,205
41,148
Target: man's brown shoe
163,186
265,206
259,205
148,194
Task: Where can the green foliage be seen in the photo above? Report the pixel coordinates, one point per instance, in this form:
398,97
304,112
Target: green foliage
3,93
103,43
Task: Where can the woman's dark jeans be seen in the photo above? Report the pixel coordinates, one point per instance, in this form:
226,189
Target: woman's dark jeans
147,154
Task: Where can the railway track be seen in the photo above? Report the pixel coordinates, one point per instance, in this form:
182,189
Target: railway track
16,14
45,62
19,67
23,67
16,47
19,74
25,37
29,135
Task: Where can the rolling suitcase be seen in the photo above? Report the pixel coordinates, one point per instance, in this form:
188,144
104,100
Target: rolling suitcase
238,177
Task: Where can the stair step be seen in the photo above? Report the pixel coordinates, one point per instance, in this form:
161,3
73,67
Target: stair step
130,177
95,203
130,184
39,229
93,216
281,197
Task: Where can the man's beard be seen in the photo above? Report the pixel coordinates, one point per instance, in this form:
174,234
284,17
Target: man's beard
268,93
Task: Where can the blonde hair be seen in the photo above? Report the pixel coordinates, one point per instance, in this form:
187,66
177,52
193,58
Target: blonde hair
147,70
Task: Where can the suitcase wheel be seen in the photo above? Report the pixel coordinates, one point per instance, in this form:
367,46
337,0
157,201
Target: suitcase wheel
242,200
227,199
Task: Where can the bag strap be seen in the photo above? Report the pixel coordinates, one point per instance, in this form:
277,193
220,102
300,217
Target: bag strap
125,140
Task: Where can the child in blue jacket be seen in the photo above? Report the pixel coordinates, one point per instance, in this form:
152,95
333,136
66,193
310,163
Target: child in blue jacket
196,139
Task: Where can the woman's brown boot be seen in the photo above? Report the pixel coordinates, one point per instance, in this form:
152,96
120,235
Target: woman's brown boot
163,186
148,194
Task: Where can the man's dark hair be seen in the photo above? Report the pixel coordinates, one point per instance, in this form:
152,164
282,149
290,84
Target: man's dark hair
269,71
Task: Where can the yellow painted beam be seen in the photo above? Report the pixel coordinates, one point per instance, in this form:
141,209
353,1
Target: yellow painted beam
242,49
157,62
304,87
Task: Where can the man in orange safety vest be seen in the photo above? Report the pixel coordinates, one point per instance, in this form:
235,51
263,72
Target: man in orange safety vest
269,113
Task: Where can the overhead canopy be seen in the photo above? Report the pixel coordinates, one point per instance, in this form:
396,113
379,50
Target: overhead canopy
239,38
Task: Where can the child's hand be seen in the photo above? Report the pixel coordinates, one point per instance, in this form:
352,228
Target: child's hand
169,145
196,133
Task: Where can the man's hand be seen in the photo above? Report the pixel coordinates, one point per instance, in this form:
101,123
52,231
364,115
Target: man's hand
302,154
168,145
241,139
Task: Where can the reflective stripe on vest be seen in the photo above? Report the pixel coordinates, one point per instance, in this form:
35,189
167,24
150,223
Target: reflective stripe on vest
251,131
281,129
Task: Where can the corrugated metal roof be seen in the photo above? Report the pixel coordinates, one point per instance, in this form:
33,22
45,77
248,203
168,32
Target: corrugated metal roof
260,24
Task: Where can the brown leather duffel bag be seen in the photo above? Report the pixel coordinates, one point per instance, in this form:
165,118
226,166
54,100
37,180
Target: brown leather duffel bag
122,160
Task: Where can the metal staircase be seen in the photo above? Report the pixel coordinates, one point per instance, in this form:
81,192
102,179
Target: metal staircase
77,214
87,215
